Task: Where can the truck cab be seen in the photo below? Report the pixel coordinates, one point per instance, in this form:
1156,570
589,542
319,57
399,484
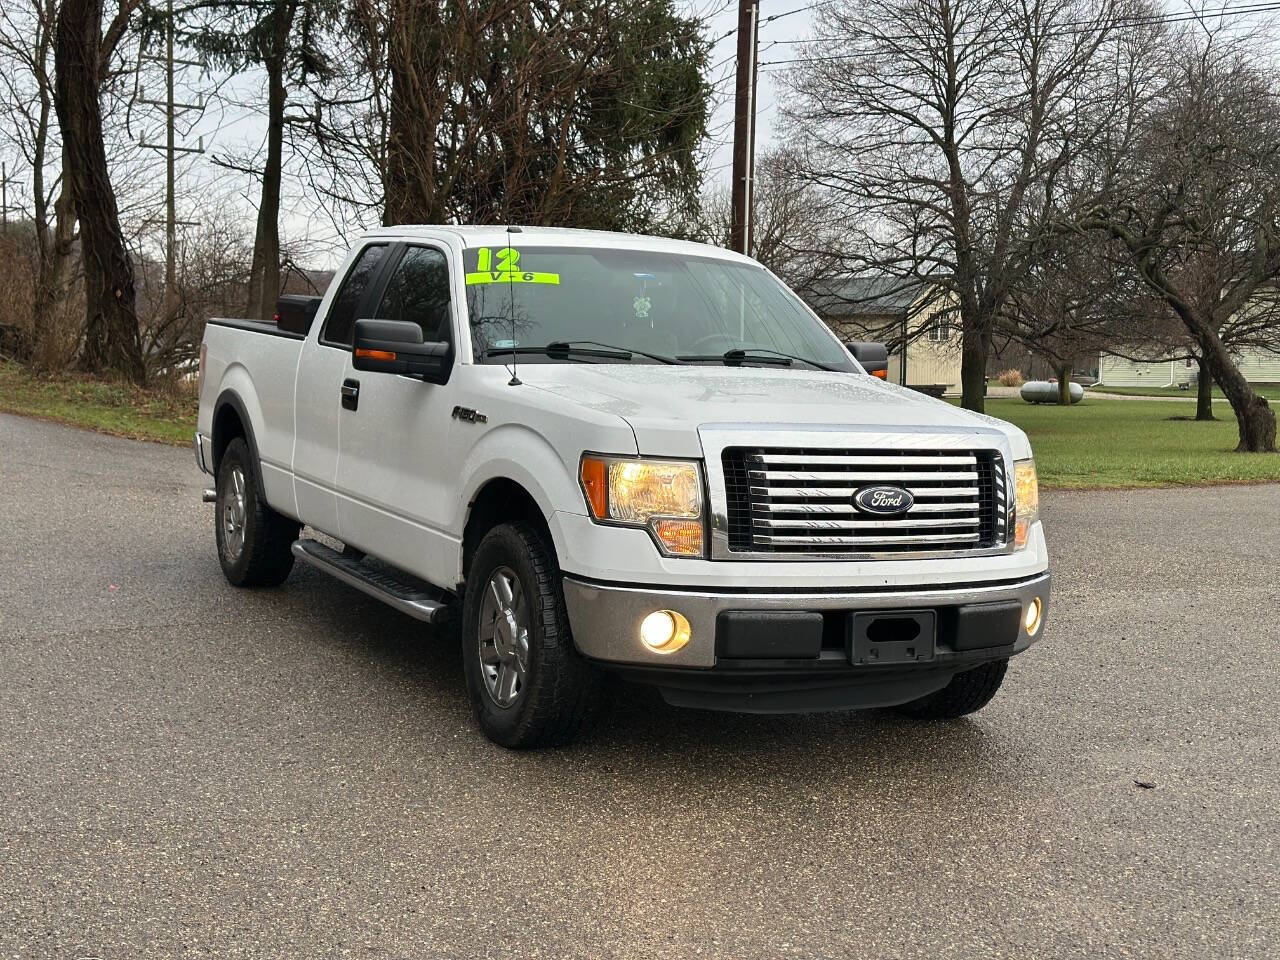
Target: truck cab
586,452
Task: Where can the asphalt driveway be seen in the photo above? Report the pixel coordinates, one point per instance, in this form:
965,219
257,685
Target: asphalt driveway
191,770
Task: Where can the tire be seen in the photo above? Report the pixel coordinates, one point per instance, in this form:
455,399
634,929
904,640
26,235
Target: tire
968,692
528,685
254,542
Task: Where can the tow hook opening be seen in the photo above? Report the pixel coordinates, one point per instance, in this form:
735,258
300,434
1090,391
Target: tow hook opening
893,630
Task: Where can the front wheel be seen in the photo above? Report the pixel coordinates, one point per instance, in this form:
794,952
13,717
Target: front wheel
528,685
968,692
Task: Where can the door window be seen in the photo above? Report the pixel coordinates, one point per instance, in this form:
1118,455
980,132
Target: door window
418,292
342,312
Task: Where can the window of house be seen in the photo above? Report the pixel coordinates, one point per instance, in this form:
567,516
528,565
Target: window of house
418,292
940,330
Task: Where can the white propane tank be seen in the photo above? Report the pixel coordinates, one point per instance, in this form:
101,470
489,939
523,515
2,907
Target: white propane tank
1042,391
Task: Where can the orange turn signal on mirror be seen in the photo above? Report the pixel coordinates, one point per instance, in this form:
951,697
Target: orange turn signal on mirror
374,354
881,374
595,484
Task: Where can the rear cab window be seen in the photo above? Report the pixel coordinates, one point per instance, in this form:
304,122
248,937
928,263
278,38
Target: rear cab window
340,322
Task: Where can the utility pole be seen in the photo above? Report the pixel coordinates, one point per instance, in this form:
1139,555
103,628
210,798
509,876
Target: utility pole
171,149
5,180
170,204
744,126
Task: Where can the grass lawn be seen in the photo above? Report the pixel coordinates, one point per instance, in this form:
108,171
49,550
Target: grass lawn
1269,390
1108,443
168,416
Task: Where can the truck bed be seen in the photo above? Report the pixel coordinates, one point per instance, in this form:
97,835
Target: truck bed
258,362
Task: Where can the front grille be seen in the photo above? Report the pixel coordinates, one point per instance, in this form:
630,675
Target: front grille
800,501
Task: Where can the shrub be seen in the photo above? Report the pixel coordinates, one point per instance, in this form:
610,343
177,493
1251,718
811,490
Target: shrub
1010,378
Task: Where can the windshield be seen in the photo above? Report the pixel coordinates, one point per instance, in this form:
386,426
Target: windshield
662,306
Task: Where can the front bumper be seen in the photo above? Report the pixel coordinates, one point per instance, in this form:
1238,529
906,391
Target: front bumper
730,662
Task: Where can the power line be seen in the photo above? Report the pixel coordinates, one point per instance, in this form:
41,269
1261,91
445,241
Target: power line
173,109
1071,28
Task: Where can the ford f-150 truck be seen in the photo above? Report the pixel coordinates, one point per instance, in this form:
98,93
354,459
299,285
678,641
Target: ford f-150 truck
590,451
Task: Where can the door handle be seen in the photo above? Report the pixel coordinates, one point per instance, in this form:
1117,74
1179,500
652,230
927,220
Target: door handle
350,394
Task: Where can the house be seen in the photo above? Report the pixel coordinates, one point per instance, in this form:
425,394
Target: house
892,310
1257,364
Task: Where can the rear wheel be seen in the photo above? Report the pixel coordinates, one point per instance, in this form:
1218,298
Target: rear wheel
254,542
528,685
967,693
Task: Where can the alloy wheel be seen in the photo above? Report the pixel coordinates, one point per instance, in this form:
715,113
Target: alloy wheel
233,513
504,637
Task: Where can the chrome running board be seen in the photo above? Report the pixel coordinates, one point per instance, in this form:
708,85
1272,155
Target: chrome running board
418,600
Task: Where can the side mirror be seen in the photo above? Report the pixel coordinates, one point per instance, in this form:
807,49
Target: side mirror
396,346
874,357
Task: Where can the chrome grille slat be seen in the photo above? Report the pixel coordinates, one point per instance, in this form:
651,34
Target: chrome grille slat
910,524
875,460
800,501
858,478
919,492
843,493
870,541
950,506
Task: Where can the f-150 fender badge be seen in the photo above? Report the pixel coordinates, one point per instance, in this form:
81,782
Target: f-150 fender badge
467,415
883,501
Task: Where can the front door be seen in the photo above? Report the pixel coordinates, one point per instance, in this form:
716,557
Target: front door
396,474
325,358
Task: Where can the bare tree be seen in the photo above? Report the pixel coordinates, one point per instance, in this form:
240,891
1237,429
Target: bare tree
938,126
1195,207
282,37
793,232
112,342
1075,301
26,76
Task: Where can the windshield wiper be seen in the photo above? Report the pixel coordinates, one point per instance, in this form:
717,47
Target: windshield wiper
583,348
561,351
760,355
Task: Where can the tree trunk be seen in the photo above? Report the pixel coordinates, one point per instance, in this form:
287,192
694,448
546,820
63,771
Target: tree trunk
264,274
1204,392
112,342
411,193
1064,371
973,366
1254,417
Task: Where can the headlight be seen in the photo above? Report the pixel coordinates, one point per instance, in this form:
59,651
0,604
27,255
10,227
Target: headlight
663,496
1026,490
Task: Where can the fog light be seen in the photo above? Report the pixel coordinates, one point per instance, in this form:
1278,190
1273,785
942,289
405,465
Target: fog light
1032,619
664,631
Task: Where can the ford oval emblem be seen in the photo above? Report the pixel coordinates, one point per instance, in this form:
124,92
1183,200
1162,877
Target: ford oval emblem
883,501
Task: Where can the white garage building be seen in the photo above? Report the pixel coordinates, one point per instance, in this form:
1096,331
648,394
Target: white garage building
1257,365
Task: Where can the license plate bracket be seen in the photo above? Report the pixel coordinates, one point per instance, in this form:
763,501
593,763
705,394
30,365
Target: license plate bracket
891,636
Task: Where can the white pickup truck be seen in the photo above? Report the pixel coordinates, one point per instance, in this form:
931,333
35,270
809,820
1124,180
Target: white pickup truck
590,451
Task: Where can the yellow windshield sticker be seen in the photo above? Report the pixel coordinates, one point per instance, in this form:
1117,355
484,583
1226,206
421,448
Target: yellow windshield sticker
508,276
507,270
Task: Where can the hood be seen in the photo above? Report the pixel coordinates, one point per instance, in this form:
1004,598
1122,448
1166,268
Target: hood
666,405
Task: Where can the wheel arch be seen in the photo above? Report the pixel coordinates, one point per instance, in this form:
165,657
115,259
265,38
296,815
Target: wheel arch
499,500
230,420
